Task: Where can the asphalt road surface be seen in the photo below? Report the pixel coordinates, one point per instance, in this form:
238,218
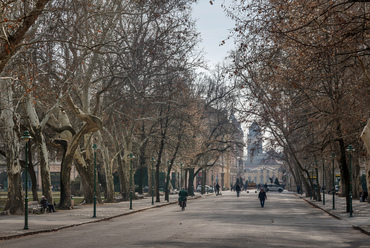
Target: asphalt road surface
212,221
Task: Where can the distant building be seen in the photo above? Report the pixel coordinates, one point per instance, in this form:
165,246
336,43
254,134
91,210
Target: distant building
259,166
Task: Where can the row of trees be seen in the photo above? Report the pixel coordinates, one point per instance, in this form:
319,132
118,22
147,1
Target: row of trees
304,69
119,74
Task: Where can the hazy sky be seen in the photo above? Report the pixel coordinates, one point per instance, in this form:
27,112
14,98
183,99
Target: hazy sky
213,26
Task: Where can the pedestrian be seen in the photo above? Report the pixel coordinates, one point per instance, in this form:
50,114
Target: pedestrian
262,196
217,189
363,196
237,188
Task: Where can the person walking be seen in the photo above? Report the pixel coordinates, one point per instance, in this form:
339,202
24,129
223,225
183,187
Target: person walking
262,196
237,189
217,189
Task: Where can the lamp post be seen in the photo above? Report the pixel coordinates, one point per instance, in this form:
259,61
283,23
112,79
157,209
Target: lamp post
311,176
333,156
350,150
167,182
153,160
323,181
26,137
317,181
94,147
181,178
131,156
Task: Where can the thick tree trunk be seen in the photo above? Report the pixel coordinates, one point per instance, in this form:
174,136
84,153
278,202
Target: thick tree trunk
121,177
157,196
10,128
108,171
168,182
32,173
365,136
42,149
92,124
344,171
65,184
191,182
318,187
86,170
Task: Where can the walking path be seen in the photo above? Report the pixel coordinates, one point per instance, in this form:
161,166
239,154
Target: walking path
361,211
12,226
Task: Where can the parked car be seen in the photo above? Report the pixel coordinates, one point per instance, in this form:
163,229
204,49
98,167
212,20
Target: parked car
274,187
207,189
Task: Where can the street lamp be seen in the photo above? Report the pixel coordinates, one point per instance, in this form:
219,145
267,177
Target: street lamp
350,150
311,177
131,156
317,181
153,160
167,182
333,156
26,137
181,177
94,147
323,181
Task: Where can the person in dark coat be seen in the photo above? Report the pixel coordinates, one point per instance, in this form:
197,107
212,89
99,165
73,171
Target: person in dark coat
217,189
45,204
237,189
183,195
262,196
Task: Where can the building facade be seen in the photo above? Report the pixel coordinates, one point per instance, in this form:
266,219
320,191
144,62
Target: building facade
260,167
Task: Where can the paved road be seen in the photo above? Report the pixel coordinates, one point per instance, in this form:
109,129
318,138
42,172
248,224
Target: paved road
222,221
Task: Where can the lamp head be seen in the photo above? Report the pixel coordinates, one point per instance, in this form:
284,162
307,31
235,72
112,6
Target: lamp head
350,148
152,159
26,136
95,146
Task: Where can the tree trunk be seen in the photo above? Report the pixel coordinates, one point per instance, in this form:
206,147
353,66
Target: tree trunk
86,170
32,173
44,164
10,128
41,145
92,124
191,182
344,171
365,136
317,191
108,171
157,197
121,177
168,181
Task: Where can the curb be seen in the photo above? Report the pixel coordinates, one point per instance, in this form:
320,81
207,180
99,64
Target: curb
335,216
88,222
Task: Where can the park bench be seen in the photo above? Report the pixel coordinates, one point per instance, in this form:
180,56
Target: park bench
35,207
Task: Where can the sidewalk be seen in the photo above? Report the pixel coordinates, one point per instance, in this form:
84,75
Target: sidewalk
12,226
360,219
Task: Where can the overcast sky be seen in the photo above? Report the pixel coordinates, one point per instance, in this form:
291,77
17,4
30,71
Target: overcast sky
213,26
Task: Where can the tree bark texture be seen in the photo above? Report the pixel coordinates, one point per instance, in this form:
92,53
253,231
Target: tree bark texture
10,124
39,139
365,136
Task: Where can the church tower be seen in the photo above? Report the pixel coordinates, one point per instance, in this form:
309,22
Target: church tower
254,144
